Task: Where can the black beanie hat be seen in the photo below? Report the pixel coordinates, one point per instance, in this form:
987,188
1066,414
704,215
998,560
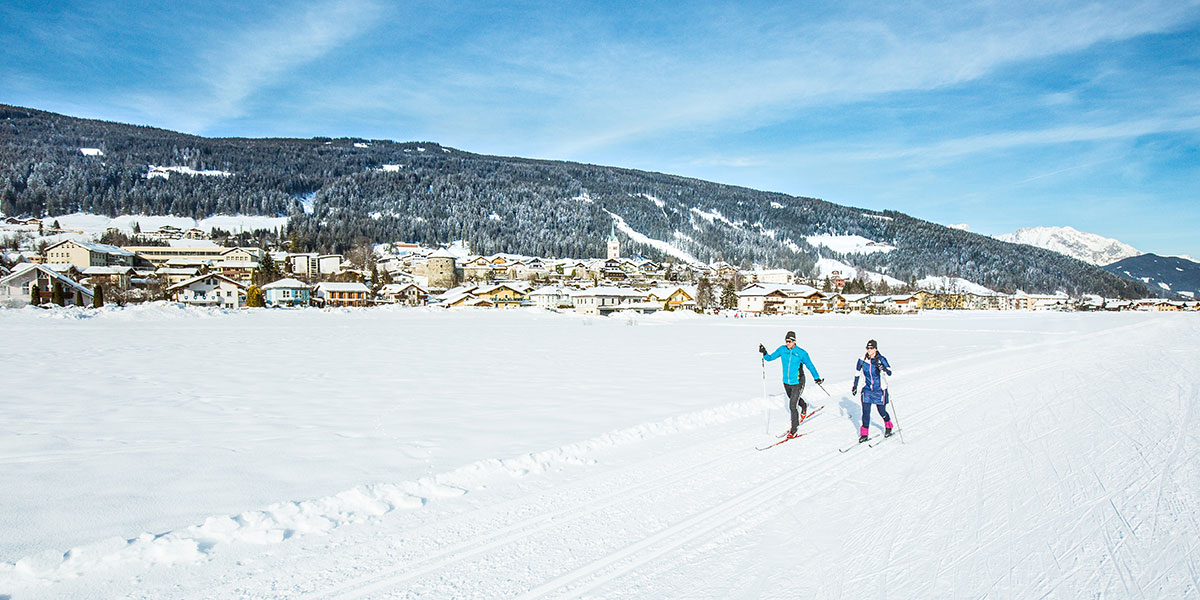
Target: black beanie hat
872,344
791,335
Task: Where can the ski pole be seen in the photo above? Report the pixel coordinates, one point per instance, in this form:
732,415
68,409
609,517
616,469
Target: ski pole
767,408
897,418
823,389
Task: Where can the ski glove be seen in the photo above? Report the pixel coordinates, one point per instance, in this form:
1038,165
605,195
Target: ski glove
762,349
854,391
819,381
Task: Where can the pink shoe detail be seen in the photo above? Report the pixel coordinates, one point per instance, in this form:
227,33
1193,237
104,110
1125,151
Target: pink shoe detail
887,424
864,431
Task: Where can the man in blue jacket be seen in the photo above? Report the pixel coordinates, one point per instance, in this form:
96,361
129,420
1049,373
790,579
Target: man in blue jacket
794,359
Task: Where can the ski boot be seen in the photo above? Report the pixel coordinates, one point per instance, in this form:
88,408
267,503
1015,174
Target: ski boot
887,432
792,434
862,438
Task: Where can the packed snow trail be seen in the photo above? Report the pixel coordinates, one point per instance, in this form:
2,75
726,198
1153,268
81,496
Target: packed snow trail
1063,466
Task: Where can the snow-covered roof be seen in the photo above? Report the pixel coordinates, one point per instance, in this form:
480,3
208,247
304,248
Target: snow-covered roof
289,283
237,264
632,306
51,273
455,291
516,287
764,289
608,291
448,300
60,267
107,270
442,253
191,280
187,261
192,244
177,270
396,288
665,291
550,290
338,286
95,247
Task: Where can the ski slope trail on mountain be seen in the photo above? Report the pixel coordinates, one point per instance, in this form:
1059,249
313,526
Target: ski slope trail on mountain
1043,456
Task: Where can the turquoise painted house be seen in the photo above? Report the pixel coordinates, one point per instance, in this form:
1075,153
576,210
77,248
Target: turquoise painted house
287,292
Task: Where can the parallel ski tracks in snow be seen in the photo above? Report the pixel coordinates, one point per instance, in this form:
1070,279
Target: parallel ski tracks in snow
530,527
612,533
545,528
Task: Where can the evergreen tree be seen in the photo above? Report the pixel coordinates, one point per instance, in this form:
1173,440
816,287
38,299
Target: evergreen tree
56,294
255,297
704,294
375,281
729,296
97,296
35,294
268,271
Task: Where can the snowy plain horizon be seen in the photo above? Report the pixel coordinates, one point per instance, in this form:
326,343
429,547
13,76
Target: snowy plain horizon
165,452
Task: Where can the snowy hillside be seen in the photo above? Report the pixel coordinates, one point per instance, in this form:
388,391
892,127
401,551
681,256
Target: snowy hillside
1171,276
1088,247
828,267
598,458
952,284
848,244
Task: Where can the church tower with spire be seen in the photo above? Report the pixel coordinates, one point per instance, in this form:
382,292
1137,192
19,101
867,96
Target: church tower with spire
614,245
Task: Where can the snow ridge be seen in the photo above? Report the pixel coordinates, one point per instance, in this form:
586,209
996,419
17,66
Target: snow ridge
285,520
659,244
1088,247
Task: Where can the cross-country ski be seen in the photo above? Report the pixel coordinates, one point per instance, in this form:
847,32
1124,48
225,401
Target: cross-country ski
803,419
773,444
883,439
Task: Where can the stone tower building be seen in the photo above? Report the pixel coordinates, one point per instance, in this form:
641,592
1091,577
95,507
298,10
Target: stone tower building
440,270
614,245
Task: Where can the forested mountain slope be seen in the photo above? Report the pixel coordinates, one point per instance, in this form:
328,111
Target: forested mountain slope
338,190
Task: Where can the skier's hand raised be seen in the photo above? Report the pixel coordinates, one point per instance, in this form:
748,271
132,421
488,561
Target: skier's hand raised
762,349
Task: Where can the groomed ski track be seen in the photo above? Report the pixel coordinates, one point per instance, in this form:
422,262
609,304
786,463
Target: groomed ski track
1060,469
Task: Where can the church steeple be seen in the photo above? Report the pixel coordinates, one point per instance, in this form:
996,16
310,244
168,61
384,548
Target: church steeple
614,245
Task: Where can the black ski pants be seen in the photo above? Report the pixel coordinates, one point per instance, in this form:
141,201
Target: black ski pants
794,399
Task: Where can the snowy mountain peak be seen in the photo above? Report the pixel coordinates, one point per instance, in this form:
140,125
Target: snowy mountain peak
1088,247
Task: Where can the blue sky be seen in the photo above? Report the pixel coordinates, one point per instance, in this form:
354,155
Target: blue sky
997,116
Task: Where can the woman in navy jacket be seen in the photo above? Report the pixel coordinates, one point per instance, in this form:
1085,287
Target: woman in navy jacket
873,366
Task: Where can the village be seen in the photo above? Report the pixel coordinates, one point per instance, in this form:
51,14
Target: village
186,266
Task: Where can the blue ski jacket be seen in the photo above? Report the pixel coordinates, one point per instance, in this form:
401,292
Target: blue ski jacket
792,361
873,389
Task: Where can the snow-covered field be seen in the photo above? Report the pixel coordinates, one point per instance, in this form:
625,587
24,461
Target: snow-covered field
161,452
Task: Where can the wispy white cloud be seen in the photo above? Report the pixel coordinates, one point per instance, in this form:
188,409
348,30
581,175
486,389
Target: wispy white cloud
758,73
947,150
246,61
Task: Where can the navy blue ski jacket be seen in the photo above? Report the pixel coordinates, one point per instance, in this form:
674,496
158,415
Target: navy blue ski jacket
792,360
873,389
